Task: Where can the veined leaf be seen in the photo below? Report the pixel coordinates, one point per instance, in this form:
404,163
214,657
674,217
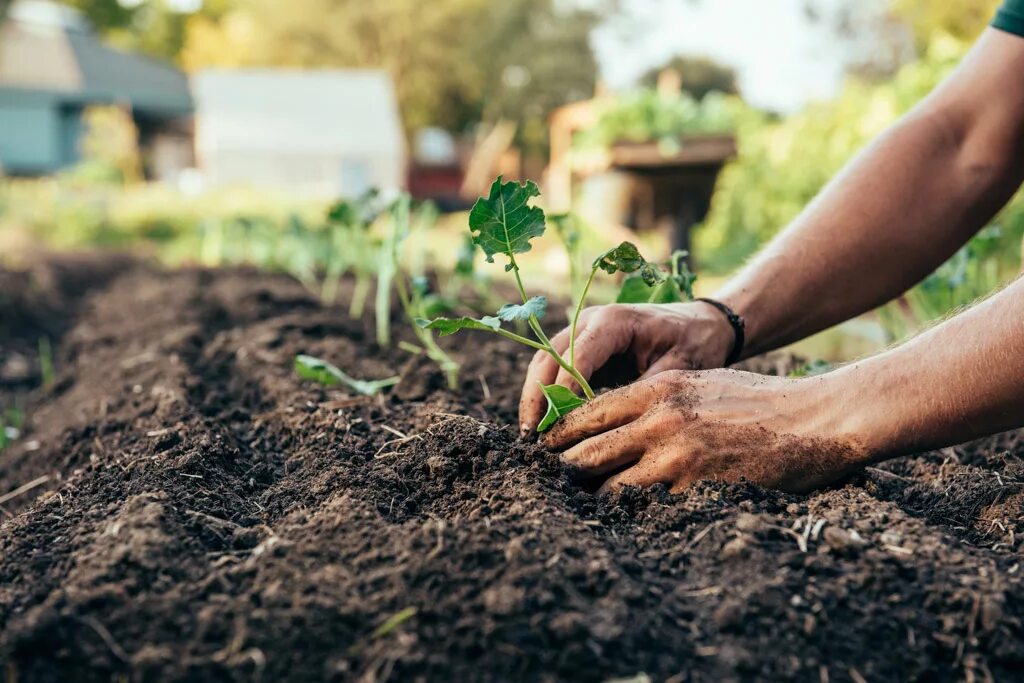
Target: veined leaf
504,222
561,401
626,258
318,370
535,307
446,326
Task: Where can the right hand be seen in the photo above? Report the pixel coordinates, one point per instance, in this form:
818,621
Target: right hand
656,337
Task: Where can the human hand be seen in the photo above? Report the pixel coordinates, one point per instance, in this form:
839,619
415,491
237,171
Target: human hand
680,427
657,337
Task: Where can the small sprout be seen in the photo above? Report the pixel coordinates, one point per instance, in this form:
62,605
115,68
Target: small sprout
394,621
318,370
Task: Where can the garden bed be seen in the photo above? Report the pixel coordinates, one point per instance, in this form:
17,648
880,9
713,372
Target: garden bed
207,515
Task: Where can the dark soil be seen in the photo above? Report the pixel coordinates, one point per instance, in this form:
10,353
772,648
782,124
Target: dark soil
205,515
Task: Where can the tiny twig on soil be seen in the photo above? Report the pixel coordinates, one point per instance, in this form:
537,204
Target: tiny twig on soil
394,431
107,638
24,488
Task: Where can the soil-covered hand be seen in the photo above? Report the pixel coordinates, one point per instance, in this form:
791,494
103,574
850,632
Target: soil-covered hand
680,427
651,338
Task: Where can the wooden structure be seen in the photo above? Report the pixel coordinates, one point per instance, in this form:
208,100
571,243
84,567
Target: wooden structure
665,189
676,187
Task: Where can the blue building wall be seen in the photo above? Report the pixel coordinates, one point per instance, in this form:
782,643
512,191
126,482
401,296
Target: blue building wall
31,136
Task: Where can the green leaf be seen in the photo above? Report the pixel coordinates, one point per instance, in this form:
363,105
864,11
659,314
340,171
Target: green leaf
636,291
446,326
815,367
464,262
533,307
394,621
561,401
626,258
504,222
318,370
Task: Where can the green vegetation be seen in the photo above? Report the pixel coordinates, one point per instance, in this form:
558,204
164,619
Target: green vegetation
650,116
11,421
504,224
309,367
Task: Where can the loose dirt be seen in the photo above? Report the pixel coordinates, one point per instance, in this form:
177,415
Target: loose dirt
203,514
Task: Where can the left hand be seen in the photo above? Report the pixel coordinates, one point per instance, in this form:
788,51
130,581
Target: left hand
679,427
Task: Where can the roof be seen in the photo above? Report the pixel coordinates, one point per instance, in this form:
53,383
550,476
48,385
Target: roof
350,111
49,49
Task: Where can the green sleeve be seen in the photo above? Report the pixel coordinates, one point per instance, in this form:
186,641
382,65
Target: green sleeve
1010,17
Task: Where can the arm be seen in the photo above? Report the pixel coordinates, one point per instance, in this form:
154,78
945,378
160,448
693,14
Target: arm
958,381
900,209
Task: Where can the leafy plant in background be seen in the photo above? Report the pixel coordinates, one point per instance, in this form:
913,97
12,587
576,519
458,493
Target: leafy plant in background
351,247
677,286
970,274
11,421
650,116
504,223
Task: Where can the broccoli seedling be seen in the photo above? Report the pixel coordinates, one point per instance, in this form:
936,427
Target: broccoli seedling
503,224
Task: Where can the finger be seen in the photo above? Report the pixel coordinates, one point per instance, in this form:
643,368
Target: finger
608,451
606,412
543,370
644,474
669,361
594,347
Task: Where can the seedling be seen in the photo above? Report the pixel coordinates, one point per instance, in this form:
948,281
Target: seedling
676,287
504,223
412,294
319,370
10,426
46,372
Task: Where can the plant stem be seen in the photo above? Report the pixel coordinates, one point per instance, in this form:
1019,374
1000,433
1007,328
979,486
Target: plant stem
546,344
434,352
576,317
359,294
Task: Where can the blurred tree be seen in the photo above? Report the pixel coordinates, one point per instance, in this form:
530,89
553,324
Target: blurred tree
533,56
962,19
155,27
453,61
700,75
421,44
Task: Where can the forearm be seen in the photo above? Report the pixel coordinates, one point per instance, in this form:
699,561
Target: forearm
958,381
901,208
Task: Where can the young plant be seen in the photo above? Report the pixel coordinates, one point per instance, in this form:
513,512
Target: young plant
663,288
504,224
413,293
351,247
319,370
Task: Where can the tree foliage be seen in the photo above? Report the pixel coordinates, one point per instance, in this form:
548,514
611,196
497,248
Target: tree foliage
453,61
698,75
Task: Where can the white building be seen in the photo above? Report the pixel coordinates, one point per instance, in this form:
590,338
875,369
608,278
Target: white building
322,133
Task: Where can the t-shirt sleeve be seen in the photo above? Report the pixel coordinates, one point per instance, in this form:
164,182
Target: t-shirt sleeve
1010,17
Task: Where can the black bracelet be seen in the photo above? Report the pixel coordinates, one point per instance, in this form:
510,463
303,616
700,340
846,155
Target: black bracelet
737,327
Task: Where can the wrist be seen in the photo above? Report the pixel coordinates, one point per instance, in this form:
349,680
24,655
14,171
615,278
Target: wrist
842,407
713,337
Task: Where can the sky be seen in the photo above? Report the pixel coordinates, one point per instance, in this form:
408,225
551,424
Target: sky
782,60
